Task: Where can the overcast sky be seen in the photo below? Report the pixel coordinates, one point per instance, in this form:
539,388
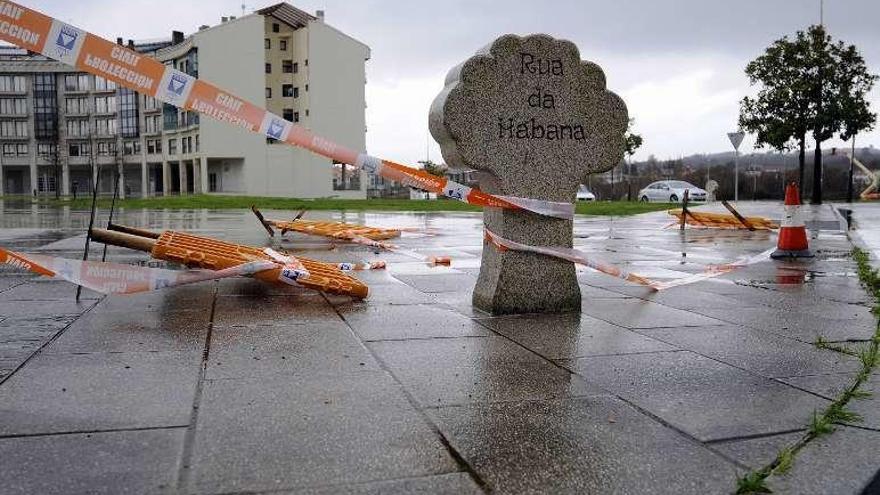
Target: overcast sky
678,64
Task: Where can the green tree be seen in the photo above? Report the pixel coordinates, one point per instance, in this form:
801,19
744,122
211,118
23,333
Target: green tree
809,84
433,168
632,141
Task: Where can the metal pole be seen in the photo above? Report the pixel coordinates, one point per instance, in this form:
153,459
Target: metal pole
736,175
849,183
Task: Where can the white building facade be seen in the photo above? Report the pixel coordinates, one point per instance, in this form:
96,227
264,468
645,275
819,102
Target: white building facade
55,123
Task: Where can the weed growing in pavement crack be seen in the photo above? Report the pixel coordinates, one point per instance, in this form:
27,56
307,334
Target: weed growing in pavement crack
836,412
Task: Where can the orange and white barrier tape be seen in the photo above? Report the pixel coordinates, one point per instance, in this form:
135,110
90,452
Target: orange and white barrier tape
387,246
115,278
582,258
39,33
361,265
570,254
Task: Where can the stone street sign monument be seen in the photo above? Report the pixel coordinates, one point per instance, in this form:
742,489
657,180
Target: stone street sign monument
534,120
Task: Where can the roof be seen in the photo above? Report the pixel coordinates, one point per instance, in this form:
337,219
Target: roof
288,14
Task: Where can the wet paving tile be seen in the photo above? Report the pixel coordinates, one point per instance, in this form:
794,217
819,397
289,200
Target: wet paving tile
309,350
273,433
46,290
636,313
831,386
705,398
796,325
299,309
590,445
450,282
843,462
409,322
84,392
572,336
453,483
132,462
116,331
40,309
462,370
757,452
756,351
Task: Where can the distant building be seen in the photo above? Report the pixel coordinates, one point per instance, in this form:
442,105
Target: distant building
54,120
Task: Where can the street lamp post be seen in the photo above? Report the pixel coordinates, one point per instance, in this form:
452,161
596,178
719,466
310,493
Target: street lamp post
735,139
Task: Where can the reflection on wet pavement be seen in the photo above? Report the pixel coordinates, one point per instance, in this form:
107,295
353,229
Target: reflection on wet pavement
258,387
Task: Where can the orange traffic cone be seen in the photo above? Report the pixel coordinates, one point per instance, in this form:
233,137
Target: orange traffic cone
792,233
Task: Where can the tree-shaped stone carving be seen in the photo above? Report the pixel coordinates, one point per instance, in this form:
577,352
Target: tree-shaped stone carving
534,120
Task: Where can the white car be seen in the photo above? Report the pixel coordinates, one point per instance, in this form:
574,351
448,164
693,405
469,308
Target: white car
671,191
584,194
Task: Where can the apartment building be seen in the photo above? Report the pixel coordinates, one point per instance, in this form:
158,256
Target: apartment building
55,122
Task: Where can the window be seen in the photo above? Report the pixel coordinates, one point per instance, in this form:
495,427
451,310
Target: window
152,124
12,84
12,149
76,105
189,144
128,148
107,148
105,127
287,90
47,149
295,68
268,43
102,84
276,28
307,112
288,114
105,104
345,177
183,147
13,106
77,127
282,45
172,146
197,143
307,87
45,106
46,183
169,116
128,112
287,66
10,128
268,92
151,148
296,92
83,82
78,149
150,103
307,62
268,68
158,146
296,116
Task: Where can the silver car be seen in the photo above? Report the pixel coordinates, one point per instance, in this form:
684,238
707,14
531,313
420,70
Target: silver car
671,191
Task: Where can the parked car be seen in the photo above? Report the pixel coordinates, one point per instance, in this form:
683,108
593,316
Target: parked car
584,194
671,191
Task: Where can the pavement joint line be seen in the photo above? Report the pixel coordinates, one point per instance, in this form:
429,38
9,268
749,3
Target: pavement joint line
87,432
189,436
720,441
422,339
836,413
635,406
456,456
48,342
615,354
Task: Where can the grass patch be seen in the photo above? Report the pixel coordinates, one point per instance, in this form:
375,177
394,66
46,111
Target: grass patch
837,412
216,202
